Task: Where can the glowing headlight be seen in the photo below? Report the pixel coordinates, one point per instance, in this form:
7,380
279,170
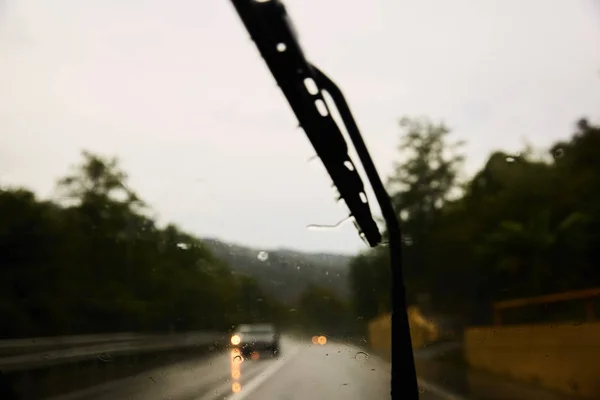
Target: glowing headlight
235,340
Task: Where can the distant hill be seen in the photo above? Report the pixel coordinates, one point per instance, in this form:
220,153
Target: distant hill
285,273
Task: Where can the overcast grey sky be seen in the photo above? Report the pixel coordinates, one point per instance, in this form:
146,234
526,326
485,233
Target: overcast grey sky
178,92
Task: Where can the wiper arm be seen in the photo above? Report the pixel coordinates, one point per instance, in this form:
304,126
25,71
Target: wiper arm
274,35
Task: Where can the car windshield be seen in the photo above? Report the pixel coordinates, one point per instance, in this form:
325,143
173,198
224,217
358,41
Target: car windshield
171,227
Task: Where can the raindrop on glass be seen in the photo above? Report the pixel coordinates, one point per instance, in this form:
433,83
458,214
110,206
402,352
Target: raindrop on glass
106,357
558,153
263,256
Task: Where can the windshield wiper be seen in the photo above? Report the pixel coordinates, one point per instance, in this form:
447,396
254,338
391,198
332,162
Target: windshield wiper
302,84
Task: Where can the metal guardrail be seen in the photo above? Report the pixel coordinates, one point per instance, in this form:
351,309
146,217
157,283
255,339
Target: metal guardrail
24,354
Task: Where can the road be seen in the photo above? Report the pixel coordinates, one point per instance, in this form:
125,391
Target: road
301,371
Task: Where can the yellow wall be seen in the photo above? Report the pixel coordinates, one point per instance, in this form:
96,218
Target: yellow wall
565,357
380,334
421,331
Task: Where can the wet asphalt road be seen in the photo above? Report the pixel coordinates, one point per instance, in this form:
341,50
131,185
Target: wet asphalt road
301,371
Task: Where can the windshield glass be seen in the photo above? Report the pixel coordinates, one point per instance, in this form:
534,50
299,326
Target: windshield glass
159,202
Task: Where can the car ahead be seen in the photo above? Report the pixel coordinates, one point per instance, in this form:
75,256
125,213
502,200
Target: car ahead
256,337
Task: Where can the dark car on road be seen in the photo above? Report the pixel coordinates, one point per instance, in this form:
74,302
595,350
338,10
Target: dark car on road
256,337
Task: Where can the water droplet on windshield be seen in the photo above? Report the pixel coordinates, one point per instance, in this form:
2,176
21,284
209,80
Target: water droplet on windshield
106,357
263,256
297,267
361,355
558,153
364,238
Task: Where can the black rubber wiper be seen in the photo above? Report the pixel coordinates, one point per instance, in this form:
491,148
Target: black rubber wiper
302,84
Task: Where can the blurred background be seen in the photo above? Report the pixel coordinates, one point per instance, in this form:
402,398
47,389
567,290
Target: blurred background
155,193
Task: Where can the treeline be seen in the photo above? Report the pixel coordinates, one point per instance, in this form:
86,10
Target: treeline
94,260
524,225
285,274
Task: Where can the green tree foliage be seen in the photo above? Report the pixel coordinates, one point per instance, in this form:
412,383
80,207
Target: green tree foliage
370,277
94,261
421,185
520,227
322,311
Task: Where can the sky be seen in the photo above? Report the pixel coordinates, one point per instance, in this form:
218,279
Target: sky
178,92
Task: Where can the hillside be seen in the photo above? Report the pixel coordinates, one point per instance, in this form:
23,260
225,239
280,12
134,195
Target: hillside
285,273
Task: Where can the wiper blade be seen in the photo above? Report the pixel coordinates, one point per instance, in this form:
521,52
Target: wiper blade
271,30
302,84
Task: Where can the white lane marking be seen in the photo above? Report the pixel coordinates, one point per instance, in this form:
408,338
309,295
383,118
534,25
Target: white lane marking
438,391
262,377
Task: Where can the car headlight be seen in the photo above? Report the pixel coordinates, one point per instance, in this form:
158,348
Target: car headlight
235,340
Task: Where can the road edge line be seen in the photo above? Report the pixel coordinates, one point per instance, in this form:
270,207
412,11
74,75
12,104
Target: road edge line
261,377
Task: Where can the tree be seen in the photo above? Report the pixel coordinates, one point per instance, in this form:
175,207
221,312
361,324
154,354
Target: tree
93,262
421,185
323,311
522,226
98,179
370,278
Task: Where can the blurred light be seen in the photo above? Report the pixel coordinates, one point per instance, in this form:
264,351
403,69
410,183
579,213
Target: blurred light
315,340
235,373
255,356
236,357
322,340
236,387
235,340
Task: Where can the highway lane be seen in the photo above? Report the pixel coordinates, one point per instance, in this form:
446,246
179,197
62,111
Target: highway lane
302,370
